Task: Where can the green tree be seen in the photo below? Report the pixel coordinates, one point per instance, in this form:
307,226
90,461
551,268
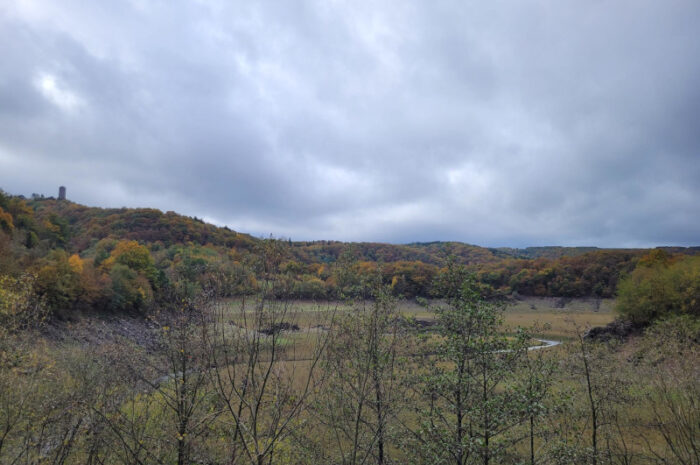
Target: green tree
31,240
660,286
533,386
472,399
129,291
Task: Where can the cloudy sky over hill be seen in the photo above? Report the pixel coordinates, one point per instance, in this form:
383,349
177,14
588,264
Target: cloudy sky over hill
496,123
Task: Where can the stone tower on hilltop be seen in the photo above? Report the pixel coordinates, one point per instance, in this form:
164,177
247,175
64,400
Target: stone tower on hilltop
62,193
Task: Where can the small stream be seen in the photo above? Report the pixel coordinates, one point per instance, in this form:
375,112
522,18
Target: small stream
545,343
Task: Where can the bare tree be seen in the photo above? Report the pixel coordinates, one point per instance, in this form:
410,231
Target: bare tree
262,373
363,372
601,377
534,384
670,376
161,409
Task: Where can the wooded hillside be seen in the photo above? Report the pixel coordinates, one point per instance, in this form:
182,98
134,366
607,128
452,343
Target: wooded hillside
122,259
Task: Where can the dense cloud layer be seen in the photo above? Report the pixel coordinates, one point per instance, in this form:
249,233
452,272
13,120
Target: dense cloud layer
496,123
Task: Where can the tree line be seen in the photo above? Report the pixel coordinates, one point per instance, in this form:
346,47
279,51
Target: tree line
121,260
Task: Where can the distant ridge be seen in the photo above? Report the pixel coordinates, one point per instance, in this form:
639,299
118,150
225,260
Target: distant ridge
149,225
551,252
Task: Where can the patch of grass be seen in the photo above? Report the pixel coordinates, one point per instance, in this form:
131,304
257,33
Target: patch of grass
556,317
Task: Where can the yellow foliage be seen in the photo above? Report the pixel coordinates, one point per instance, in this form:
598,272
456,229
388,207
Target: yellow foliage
49,226
20,207
656,257
253,282
76,264
366,267
131,254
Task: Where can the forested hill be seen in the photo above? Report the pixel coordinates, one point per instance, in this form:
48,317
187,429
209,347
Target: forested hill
82,226
77,228
123,259
434,253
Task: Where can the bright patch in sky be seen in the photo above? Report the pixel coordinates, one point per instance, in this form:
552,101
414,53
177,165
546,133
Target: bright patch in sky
57,94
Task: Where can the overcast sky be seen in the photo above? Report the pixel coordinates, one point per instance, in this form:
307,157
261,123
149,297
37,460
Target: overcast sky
489,122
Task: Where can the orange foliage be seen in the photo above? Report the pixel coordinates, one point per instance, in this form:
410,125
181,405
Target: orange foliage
6,223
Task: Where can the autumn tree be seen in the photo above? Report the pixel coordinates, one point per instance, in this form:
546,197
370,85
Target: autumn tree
133,276
59,281
6,223
660,286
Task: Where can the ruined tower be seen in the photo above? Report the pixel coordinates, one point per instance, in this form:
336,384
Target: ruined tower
61,193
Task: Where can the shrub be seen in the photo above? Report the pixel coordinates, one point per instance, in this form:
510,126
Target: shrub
660,286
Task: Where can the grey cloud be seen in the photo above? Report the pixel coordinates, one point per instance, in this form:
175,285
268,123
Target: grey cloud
499,123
